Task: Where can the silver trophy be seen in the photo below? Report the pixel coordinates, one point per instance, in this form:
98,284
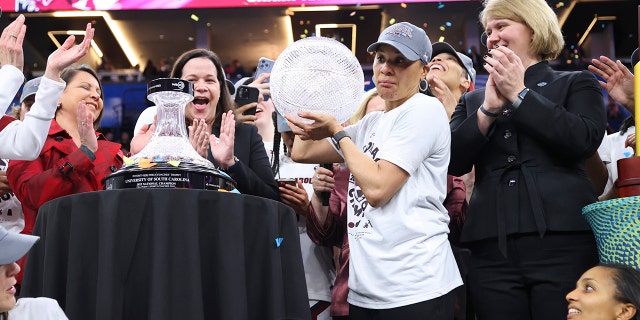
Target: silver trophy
169,160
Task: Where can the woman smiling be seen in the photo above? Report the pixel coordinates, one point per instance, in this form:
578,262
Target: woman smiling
75,158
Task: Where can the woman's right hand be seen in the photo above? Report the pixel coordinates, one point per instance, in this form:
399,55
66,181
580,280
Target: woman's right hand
493,99
264,87
68,54
199,133
11,43
246,118
322,181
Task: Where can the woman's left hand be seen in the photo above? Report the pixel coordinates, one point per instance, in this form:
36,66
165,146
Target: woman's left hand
323,126
85,127
506,70
295,197
222,148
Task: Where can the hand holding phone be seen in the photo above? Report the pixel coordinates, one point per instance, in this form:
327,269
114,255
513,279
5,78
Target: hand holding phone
246,95
265,65
289,181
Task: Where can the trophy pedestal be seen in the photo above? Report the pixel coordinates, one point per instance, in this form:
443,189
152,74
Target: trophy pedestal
165,176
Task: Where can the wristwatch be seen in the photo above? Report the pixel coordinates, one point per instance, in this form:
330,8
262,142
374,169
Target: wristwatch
339,136
520,97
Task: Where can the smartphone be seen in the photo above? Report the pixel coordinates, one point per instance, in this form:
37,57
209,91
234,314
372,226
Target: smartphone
281,123
289,181
265,65
246,95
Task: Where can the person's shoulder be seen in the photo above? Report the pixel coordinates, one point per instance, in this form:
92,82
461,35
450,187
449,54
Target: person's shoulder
247,133
245,128
37,308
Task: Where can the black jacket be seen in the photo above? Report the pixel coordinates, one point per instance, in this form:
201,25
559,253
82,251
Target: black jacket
530,174
253,172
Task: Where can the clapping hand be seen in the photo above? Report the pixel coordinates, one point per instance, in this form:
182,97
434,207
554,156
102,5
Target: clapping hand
222,147
199,133
11,43
68,54
85,127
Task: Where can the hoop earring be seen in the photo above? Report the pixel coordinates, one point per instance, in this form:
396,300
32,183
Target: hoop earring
426,85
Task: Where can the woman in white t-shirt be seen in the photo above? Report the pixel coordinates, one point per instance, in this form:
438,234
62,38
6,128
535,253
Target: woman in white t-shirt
13,246
401,266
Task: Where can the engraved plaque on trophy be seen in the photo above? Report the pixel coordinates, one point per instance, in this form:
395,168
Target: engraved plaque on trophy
169,160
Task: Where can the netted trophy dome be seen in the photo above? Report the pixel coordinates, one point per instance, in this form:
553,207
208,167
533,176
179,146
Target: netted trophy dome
318,75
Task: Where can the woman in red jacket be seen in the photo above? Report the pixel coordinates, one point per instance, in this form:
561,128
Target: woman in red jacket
75,158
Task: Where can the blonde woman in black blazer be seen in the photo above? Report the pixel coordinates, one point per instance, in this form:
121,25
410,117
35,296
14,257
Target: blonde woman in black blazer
528,134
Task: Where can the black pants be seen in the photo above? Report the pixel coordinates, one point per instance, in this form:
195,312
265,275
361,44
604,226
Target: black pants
532,282
440,308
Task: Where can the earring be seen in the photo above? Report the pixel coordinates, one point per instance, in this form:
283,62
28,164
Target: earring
426,85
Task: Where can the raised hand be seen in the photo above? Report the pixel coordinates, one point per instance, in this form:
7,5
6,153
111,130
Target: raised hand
199,133
85,127
245,118
442,92
11,43
222,147
507,74
618,80
68,54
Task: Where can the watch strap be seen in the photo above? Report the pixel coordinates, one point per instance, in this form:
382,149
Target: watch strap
339,136
520,97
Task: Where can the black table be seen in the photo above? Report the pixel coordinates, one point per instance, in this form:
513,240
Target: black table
168,254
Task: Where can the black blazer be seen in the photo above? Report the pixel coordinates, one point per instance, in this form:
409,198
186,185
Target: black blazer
530,174
253,172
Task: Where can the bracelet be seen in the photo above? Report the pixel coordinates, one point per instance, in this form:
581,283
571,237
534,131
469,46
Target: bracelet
488,113
88,152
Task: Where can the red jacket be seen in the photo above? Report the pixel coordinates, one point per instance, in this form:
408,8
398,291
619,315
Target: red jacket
61,169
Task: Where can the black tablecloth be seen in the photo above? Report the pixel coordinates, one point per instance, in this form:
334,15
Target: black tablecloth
168,254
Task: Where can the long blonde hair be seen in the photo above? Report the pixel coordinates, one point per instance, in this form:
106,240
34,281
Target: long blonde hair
362,108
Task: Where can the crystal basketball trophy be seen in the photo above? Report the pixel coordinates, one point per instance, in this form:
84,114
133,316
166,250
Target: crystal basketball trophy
319,75
169,160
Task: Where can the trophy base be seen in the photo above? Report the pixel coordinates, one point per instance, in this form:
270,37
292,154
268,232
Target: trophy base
166,176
